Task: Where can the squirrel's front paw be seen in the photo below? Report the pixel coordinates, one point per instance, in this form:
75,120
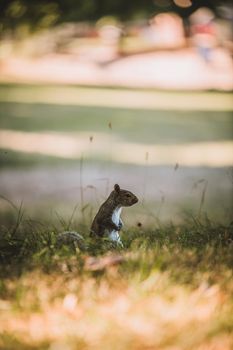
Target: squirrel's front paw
120,225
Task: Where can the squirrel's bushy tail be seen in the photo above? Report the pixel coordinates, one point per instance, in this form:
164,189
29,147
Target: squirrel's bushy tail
72,239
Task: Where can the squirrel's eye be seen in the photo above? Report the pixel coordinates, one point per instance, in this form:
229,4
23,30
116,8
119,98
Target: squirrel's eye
128,195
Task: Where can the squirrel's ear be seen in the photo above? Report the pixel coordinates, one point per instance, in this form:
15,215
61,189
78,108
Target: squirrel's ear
117,188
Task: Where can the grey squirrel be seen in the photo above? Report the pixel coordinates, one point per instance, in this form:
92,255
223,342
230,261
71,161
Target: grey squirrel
107,221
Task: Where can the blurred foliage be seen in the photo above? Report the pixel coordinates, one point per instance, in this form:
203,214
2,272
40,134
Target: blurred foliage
32,15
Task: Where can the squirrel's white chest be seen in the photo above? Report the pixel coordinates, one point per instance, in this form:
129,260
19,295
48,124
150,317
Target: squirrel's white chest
116,216
114,235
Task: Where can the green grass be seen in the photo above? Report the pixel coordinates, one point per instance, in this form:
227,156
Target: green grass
172,118
136,115
178,277
155,126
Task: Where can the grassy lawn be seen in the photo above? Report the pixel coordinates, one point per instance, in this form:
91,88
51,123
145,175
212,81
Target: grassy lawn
170,118
134,125
169,288
145,118
132,116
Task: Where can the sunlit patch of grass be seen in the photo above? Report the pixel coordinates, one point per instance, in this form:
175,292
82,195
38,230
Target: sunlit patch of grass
169,288
116,97
66,146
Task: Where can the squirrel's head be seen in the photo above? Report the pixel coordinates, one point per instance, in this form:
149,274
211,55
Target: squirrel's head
124,197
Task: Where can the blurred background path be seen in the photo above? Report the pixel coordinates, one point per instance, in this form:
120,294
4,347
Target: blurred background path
183,69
